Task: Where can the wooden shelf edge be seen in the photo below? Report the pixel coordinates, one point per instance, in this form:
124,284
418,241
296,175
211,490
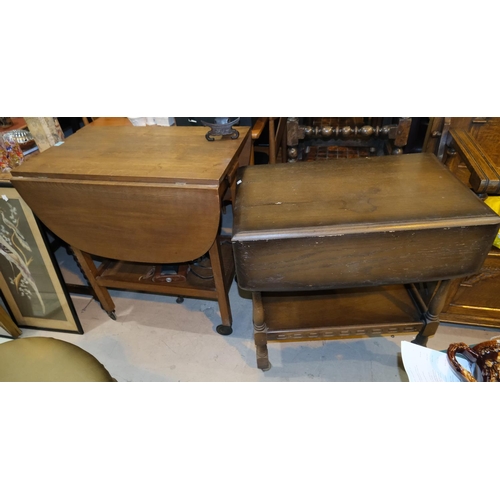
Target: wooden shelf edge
395,308
110,275
339,333
464,319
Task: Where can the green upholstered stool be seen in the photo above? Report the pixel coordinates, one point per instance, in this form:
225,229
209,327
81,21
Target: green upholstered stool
44,359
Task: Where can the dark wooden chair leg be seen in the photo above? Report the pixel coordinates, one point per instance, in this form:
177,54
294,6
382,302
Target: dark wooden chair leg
431,316
260,336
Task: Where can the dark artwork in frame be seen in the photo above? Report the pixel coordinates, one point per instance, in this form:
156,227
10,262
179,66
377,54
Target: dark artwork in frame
30,280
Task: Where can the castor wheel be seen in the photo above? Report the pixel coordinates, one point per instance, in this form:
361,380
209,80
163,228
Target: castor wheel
112,315
179,300
224,330
267,367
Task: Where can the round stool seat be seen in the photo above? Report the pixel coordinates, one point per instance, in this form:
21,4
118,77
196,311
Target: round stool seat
45,359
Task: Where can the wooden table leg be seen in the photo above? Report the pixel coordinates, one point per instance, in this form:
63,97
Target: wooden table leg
90,271
221,289
431,316
260,336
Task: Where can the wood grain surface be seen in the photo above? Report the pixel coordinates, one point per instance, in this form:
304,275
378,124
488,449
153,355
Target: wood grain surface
137,222
111,122
335,195
142,194
347,223
139,154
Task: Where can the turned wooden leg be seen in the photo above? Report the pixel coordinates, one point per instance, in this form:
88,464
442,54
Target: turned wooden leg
90,271
221,289
260,336
431,316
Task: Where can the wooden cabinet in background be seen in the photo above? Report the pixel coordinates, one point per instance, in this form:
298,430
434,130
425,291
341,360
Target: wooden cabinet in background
470,147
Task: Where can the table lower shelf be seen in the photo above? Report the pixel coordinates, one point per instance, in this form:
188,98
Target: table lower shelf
133,276
346,313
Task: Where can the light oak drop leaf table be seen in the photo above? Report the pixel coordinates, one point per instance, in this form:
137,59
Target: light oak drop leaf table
137,196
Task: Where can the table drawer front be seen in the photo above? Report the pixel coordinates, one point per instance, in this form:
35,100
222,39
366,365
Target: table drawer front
367,259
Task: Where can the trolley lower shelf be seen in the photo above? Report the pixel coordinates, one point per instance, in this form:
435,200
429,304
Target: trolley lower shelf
345,313
133,276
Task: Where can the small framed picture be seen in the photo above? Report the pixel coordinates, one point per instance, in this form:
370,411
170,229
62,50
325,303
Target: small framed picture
30,279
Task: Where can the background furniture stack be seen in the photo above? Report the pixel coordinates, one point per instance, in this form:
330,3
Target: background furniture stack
470,149
310,139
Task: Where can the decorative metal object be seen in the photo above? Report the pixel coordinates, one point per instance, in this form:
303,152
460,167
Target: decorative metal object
222,126
20,136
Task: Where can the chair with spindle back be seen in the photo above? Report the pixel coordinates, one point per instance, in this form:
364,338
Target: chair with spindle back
269,137
310,139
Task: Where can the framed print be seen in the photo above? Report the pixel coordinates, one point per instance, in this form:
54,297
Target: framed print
30,279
